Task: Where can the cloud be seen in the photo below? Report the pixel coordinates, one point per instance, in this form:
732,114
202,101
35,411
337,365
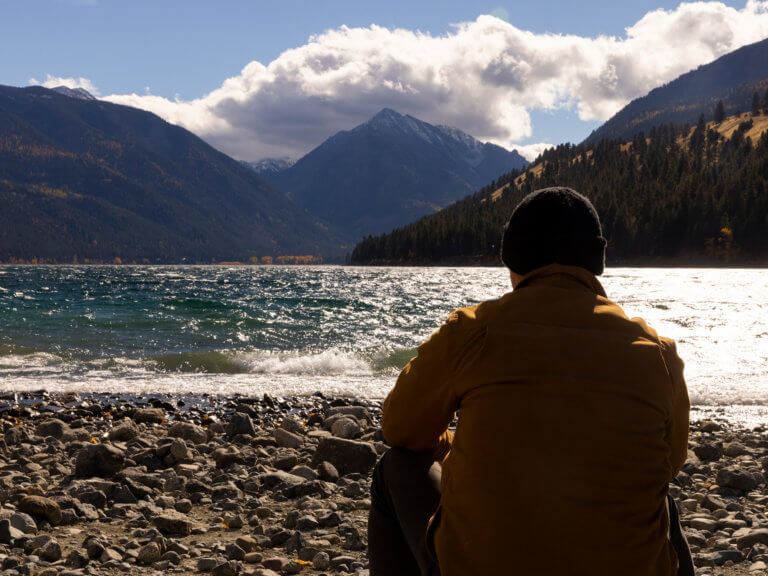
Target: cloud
483,77
531,151
54,81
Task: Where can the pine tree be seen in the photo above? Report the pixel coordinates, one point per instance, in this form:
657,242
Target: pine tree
756,104
719,112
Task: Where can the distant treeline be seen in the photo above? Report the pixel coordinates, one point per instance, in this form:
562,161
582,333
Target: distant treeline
675,195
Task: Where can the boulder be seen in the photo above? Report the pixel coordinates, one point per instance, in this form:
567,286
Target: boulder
102,460
148,554
347,456
173,523
345,428
41,508
127,430
149,416
241,423
52,427
189,432
737,479
286,439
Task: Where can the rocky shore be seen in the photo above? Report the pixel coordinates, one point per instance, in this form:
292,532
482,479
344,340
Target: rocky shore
95,484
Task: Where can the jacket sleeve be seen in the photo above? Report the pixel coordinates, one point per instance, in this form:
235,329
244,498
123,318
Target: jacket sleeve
418,410
677,427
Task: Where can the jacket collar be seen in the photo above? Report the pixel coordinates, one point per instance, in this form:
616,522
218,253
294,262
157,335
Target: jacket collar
563,276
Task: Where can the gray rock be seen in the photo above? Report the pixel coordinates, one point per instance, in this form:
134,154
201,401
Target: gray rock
291,424
41,508
103,460
189,432
23,522
708,452
710,426
327,471
225,457
734,449
149,416
748,537
304,472
321,561
50,550
347,456
359,412
345,428
127,430
148,554
286,439
234,552
179,450
173,523
206,563
9,534
241,424
737,479
230,568
275,563
76,559
52,427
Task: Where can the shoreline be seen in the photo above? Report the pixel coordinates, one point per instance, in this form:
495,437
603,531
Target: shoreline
125,484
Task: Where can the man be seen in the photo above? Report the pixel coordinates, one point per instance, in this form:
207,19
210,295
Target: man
572,421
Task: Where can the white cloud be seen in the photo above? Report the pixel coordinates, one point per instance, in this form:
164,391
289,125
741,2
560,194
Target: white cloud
483,77
54,81
531,151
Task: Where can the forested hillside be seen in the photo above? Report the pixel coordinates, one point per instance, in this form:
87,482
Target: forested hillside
736,79
678,195
86,180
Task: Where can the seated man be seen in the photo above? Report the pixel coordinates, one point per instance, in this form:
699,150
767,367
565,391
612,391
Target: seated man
572,421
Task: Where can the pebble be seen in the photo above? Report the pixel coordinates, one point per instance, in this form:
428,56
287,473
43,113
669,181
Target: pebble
269,486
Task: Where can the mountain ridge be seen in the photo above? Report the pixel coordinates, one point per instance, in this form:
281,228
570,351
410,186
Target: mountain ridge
389,170
733,78
91,179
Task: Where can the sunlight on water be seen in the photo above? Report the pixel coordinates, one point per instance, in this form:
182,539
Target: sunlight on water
342,330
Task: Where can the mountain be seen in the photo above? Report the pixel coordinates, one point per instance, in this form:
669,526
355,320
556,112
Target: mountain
270,166
391,170
87,179
79,93
695,196
733,78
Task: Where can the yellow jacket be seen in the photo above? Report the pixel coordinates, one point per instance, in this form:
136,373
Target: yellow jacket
572,421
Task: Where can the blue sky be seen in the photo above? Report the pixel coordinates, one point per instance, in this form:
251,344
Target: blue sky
186,49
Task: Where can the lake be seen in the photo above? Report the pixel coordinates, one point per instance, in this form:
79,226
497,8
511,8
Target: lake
339,330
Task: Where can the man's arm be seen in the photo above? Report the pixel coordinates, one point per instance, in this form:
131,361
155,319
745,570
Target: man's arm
418,410
677,428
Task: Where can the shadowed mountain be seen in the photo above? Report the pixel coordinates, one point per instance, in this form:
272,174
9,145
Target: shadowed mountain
82,178
391,170
733,78
270,166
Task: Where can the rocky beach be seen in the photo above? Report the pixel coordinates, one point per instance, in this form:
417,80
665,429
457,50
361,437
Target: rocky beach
120,484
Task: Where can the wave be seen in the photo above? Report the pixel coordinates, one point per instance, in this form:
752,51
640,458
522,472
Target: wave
324,363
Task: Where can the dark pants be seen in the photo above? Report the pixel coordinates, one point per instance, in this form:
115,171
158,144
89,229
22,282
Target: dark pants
405,493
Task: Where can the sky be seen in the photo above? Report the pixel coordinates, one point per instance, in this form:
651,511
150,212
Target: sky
275,78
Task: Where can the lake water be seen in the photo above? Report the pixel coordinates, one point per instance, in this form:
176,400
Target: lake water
340,330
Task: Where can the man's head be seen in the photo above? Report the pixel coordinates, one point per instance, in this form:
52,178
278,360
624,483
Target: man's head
553,226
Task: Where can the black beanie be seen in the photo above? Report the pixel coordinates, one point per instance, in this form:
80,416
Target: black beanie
553,225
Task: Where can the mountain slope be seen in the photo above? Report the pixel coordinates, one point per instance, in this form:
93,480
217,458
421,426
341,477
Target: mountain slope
391,170
733,78
270,166
699,197
89,179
